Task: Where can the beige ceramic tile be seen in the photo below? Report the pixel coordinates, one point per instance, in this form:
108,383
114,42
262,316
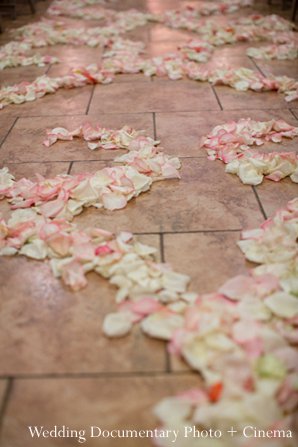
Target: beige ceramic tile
109,403
230,61
71,57
158,7
181,132
138,77
177,364
214,63
141,33
160,33
63,102
209,258
11,76
278,68
232,99
154,49
46,328
29,170
206,198
25,143
237,49
153,97
275,195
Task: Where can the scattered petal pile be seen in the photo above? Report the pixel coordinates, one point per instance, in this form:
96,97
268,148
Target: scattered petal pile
127,264
188,17
43,85
100,137
231,143
243,79
65,196
242,339
15,54
274,246
174,66
124,56
93,10
281,52
197,50
250,29
49,32
79,9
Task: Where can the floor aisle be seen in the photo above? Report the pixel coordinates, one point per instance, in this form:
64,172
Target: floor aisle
55,364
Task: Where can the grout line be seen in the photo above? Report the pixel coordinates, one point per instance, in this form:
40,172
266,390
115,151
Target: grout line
8,162
69,168
292,112
162,248
161,234
154,125
90,99
168,367
259,202
147,112
103,375
256,66
193,111
168,362
256,109
9,130
99,160
156,111
217,97
24,117
5,400
192,156
48,116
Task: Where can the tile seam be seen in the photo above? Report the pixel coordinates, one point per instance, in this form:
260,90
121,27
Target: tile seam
217,97
5,401
90,99
259,202
95,375
257,67
8,132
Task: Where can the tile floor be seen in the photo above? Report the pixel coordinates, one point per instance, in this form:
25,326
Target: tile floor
56,367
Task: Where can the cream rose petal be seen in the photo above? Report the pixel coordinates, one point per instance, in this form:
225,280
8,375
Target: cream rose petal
117,324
